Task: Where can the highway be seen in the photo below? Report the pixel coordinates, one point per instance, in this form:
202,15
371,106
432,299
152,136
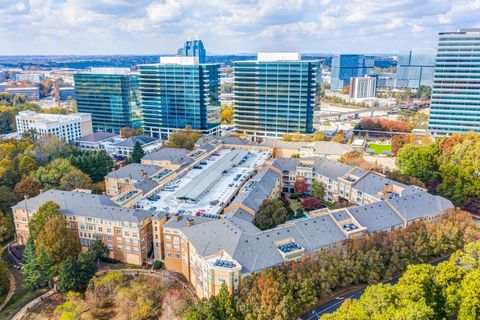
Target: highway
334,303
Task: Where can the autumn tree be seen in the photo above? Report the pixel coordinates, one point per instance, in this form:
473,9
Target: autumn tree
44,213
226,114
27,188
339,137
185,139
6,227
58,241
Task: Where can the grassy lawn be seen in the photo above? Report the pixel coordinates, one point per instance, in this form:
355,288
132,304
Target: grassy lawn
379,148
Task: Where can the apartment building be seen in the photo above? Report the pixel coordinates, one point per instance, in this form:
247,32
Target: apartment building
68,127
126,232
125,178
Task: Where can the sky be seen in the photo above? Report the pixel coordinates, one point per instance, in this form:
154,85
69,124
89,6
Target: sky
228,26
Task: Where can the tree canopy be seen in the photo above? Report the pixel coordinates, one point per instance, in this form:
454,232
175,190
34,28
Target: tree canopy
271,213
185,139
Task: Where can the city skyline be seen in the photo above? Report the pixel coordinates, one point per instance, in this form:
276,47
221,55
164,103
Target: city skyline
152,27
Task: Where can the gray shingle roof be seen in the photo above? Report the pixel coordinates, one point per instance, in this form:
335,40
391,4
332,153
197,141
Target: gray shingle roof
329,168
130,142
260,188
96,137
84,204
285,164
372,183
331,148
146,185
134,171
174,155
420,205
377,216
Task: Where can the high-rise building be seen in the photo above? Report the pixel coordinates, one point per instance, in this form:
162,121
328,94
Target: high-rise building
193,48
415,67
455,105
346,66
275,94
68,127
111,96
363,87
177,93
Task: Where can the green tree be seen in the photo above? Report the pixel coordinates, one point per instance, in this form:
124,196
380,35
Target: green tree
98,250
30,273
7,199
6,227
75,274
71,309
419,161
44,213
4,279
96,164
58,241
317,189
27,165
271,213
219,307
137,153
470,296
60,173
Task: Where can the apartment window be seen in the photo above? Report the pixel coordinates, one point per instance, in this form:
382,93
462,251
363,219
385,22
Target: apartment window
119,248
90,227
177,256
119,232
100,229
134,234
109,230
135,250
127,249
109,238
221,278
127,234
168,237
82,227
176,240
110,246
169,254
168,246
177,247
119,239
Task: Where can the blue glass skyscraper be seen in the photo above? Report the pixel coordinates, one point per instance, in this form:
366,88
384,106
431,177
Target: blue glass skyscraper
274,95
193,48
415,68
346,66
111,96
455,105
178,93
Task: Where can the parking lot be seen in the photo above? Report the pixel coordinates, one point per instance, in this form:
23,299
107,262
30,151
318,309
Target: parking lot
213,201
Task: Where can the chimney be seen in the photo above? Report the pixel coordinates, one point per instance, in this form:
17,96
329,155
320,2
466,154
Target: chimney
191,222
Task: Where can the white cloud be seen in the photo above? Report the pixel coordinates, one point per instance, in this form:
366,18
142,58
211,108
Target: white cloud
154,26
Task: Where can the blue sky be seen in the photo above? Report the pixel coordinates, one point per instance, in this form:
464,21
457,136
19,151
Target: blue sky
228,26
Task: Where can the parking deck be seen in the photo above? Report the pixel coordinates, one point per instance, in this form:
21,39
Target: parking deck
209,186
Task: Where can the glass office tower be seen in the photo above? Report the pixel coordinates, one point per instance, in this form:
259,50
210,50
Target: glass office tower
177,93
415,68
275,94
455,105
193,48
111,96
346,66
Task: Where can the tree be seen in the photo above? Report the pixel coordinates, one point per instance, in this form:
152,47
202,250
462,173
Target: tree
271,213
317,189
339,137
128,132
137,153
98,250
4,279
75,179
219,307
319,136
30,273
27,188
44,213
96,164
71,309
75,274
419,161
51,147
226,114
6,228
7,199
58,241
311,203
50,176
27,165
353,158
185,139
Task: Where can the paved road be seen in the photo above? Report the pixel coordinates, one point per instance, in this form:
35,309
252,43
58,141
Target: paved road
19,315
334,303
